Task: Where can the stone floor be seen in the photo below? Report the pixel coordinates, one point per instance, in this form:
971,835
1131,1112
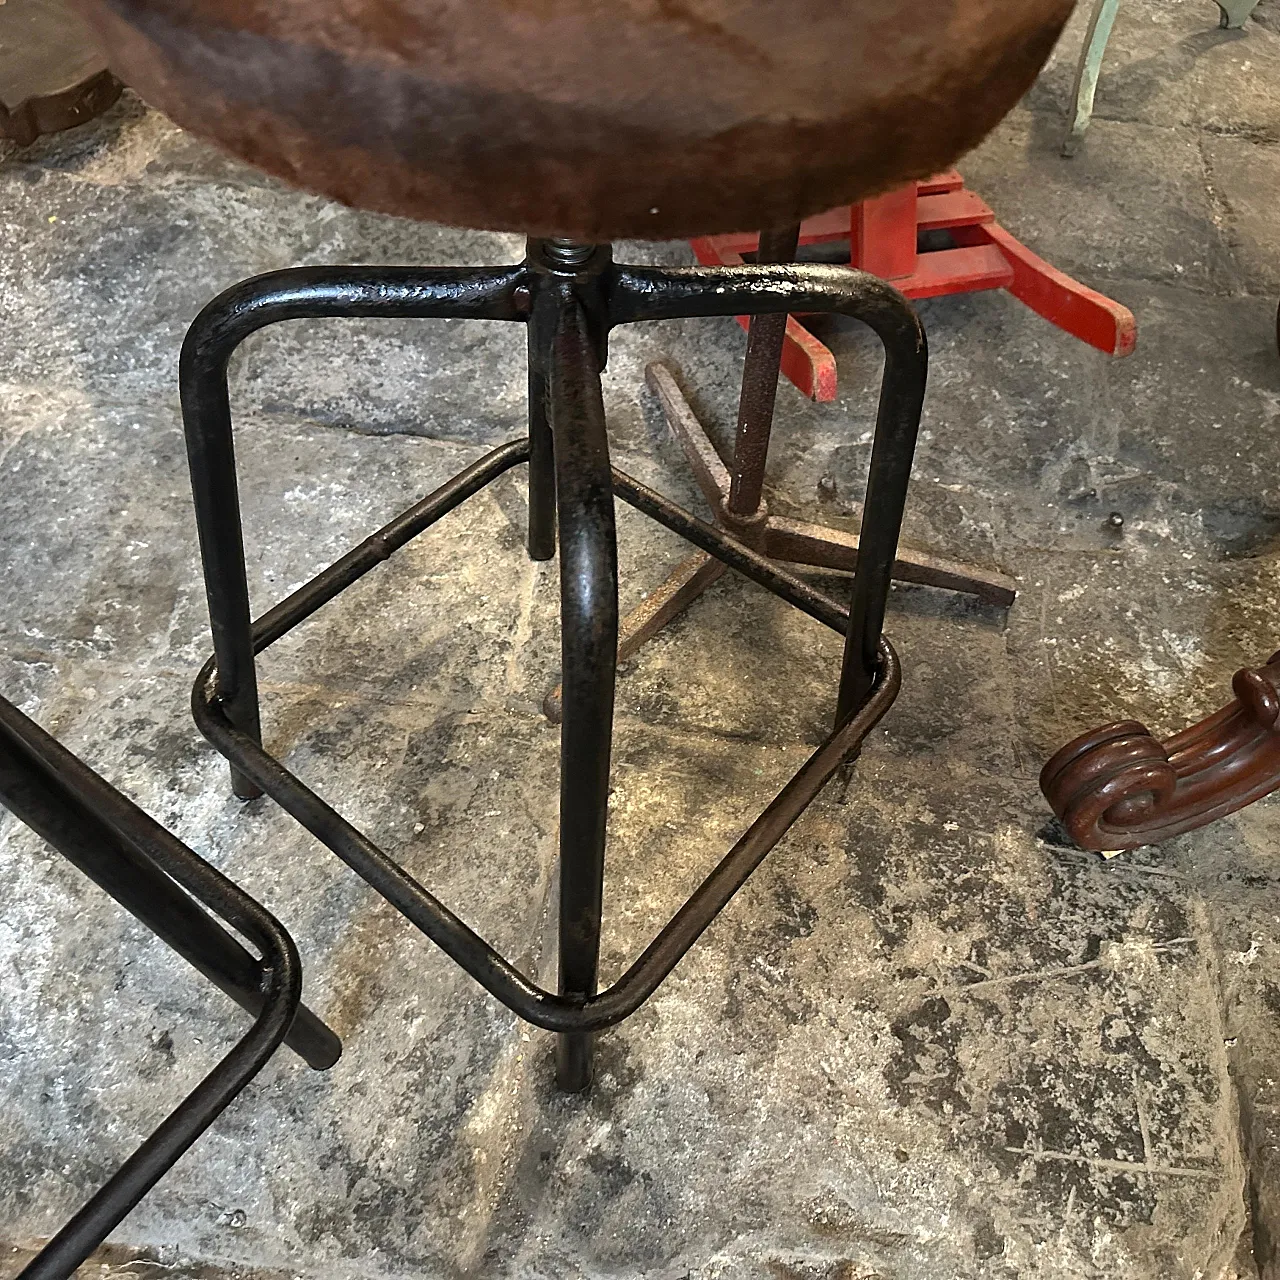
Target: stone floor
929,1041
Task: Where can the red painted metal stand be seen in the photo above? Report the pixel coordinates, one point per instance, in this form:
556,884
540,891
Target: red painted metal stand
884,235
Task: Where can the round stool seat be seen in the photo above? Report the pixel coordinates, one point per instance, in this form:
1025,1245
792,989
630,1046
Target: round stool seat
596,119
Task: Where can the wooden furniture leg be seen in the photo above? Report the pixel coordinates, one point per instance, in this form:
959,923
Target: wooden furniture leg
1117,787
930,239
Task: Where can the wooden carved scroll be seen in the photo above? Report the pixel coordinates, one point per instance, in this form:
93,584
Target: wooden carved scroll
1117,787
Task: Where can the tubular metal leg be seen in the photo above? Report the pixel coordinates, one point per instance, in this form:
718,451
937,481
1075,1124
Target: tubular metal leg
206,412
1094,49
589,645
151,873
542,465
1235,12
382,292
131,857
759,394
886,499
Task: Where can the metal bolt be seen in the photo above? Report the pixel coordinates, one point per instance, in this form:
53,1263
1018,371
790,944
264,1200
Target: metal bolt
1114,521
827,491
561,252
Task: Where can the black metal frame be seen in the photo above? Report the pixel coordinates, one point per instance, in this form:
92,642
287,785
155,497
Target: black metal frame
171,890
570,295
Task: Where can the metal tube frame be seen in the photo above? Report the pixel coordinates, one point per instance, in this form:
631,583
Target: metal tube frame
571,296
170,889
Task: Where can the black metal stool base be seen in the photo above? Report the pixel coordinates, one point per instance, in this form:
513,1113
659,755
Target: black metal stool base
570,295
175,894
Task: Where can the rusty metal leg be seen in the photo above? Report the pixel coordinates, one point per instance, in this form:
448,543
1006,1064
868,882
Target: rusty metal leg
821,547
745,513
704,458
735,492
801,541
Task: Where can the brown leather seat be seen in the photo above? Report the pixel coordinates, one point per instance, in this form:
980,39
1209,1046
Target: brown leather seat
596,119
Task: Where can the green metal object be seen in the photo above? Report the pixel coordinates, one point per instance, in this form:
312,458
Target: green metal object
1234,12
1101,20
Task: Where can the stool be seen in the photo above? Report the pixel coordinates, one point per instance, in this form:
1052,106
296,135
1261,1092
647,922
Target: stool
575,123
52,75
570,295
161,882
